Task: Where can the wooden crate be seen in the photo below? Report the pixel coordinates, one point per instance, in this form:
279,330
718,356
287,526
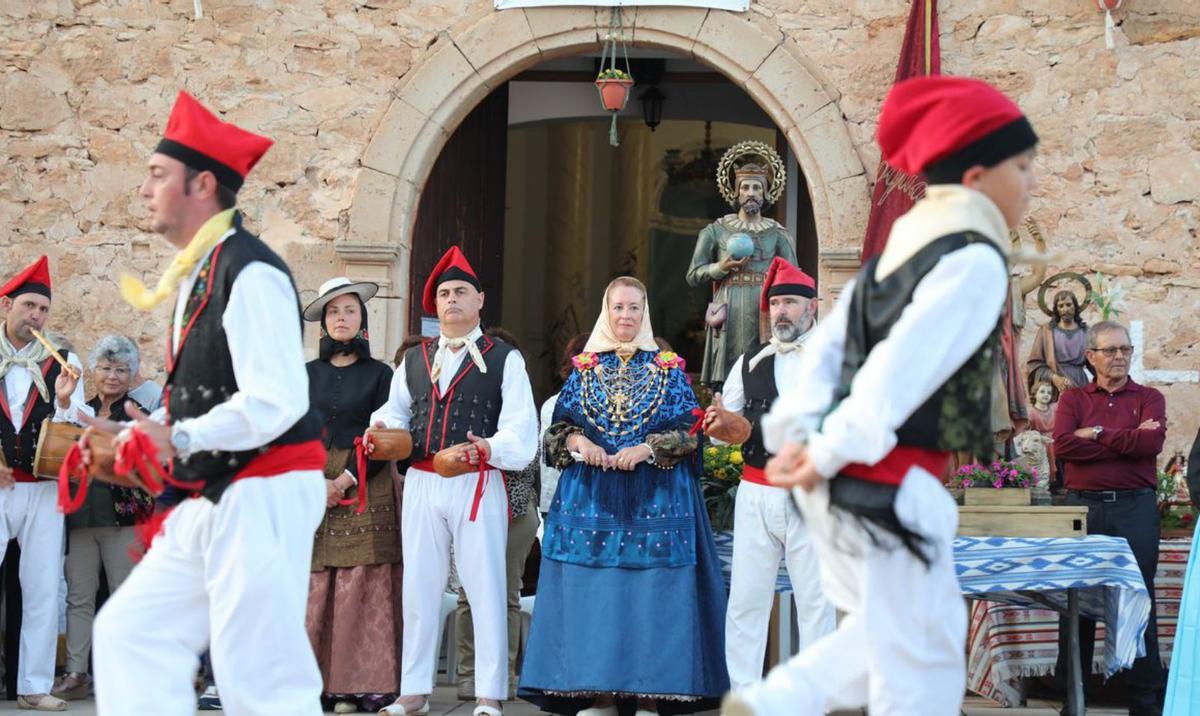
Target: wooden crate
1022,521
997,496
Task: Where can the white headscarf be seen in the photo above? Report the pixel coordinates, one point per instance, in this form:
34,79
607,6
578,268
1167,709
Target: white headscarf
603,339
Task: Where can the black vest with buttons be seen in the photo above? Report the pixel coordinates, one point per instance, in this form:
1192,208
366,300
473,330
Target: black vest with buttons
201,376
760,390
21,446
957,415
471,402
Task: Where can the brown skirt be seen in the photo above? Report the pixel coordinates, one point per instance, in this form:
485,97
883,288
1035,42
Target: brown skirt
354,623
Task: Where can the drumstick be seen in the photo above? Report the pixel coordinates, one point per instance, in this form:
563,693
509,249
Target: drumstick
54,352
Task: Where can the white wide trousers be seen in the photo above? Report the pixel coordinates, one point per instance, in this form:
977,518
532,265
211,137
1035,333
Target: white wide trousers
436,514
767,528
230,577
900,649
29,512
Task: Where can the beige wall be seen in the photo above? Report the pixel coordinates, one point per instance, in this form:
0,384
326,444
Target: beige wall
85,88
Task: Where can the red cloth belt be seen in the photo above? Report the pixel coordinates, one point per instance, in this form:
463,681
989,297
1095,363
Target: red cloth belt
426,465
278,459
21,476
756,475
892,468
480,483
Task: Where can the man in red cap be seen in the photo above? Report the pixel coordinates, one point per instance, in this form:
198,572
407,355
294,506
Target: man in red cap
469,394
33,387
896,377
229,569
766,527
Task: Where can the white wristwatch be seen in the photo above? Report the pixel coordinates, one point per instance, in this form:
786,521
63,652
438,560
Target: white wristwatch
181,442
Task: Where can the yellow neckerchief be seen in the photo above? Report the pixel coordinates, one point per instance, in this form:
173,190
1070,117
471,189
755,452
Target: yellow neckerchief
776,347
135,292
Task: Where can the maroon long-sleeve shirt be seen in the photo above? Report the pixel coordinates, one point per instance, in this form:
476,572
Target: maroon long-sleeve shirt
1123,457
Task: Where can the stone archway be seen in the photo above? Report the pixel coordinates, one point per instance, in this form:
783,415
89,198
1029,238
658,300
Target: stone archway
468,61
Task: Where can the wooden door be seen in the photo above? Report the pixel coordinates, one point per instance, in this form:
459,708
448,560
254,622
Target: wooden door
463,204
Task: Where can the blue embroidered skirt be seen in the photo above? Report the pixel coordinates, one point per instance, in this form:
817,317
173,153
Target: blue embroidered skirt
630,598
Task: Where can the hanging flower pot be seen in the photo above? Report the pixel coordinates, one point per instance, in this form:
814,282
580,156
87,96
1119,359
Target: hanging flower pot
614,86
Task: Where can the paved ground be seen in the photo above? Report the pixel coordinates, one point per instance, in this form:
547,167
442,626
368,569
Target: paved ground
445,703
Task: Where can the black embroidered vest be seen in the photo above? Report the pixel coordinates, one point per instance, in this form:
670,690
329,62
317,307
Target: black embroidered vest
201,376
956,416
761,391
471,403
21,446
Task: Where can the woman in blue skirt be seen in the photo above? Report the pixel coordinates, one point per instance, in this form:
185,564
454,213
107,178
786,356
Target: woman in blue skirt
630,602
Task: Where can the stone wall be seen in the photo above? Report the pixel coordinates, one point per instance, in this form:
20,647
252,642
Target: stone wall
85,87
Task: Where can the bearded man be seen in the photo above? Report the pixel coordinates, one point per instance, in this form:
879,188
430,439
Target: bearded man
766,527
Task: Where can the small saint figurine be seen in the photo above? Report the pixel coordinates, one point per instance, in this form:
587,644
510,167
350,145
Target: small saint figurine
1041,419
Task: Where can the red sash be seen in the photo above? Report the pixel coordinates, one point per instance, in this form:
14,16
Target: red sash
278,459
480,483
756,475
893,467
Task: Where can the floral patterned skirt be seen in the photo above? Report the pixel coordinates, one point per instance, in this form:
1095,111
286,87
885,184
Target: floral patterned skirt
354,623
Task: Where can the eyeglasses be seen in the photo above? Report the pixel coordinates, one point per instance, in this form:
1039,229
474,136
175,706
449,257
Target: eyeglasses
119,370
1112,351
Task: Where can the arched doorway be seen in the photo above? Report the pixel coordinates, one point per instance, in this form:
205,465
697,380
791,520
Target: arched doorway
466,65
530,187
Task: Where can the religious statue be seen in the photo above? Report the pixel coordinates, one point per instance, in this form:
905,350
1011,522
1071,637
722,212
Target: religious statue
1058,348
734,252
1010,404
1032,449
1041,419
1041,413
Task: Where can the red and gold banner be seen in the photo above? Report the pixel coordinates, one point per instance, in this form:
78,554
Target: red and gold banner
895,192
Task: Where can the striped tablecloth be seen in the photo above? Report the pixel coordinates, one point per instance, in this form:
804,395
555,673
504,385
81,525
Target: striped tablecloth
1007,642
1011,636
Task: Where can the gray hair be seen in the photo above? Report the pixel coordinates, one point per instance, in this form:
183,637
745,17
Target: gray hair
1094,331
115,349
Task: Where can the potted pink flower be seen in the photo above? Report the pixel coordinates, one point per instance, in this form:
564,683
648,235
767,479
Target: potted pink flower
1004,482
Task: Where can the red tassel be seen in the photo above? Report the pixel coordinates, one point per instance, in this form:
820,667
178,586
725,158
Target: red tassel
698,414
360,457
72,466
479,485
139,456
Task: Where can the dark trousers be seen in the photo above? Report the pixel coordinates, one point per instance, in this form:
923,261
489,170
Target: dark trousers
1136,519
